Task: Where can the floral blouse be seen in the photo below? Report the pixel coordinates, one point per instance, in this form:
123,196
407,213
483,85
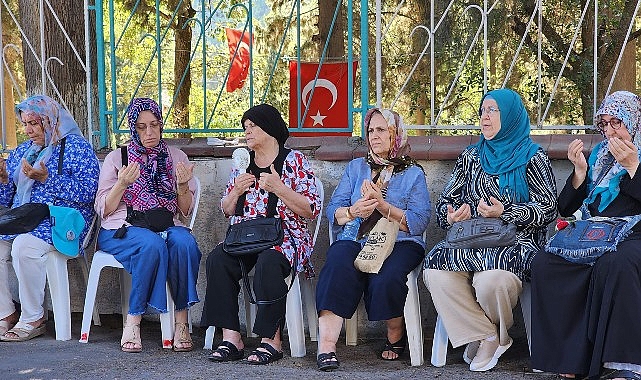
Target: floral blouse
298,175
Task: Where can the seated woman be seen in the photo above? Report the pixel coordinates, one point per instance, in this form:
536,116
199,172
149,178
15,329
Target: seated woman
150,178
507,176
287,176
587,316
32,174
387,184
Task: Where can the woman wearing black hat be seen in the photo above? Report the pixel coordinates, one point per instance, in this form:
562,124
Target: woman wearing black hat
287,174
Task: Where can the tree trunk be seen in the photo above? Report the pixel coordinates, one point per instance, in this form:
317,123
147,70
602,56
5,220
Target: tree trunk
69,78
182,53
336,46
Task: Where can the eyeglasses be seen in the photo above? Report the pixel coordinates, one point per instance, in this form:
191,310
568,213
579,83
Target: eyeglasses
614,124
154,125
489,110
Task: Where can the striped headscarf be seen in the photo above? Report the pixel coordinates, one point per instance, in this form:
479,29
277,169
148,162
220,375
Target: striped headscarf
156,186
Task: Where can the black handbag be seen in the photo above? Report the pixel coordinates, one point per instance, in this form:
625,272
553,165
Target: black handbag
155,219
22,219
481,233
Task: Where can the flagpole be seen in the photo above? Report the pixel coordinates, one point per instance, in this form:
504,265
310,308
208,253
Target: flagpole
379,76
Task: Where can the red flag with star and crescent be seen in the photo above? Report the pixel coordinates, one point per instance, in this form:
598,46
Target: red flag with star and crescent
240,63
328,107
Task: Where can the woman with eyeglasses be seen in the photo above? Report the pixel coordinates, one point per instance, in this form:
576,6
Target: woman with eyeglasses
507,176
587,318
143,190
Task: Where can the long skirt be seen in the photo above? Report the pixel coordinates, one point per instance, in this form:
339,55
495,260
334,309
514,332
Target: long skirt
584,316
152,261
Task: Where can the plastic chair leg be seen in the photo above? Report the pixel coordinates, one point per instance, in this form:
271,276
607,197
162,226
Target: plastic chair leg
90,299
294,318
412,313
58,279
84,267
308,294
167,321
526,304
209,337
439,344
351,330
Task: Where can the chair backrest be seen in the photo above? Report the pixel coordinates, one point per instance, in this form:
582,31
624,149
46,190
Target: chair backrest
196,204
321,194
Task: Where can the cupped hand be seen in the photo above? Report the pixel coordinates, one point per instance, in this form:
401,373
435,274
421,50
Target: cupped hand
462,213
128,174
33,173
4,175
363,208
370,190
243,182
576,156
493,210
184,173
270,181
625,152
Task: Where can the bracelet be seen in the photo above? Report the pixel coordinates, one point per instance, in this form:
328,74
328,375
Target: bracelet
183,193
389,211
349,214
402,219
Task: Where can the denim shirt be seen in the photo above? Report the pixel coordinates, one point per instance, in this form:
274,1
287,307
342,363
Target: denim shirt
406,190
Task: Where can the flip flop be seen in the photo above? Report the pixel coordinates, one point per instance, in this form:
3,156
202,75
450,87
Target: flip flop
227,352
398,348
265,357
23,331
327,361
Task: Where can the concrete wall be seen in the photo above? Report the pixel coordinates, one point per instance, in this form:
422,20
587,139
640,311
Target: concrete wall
211,226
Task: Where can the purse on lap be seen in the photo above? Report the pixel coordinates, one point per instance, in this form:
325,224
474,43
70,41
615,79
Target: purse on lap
481,233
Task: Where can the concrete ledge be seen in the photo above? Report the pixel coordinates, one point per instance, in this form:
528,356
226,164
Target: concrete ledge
339,148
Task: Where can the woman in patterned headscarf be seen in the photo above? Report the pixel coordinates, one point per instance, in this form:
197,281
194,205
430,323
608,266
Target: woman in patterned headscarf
507,176
31,174
149,181
387,184
587,317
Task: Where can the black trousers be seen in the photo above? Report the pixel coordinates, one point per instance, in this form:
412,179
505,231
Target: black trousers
221,299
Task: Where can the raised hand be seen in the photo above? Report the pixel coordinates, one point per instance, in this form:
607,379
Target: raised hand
128,174
243,182
4,175
184,173
364,207
462,213
492,210
270,181
625,152
33,173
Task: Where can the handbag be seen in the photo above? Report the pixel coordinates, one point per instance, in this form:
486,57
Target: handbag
584,241
480,233
156,219
379,245
22,219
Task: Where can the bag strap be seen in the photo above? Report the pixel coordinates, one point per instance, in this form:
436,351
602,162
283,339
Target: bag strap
247,285
61,154
272,200
124,155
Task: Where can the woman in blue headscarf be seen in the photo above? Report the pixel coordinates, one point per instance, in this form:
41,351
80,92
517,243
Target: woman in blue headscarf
507,176
32,174
587,316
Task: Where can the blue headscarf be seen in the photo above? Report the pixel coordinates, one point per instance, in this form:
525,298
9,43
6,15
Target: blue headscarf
626,107
508,153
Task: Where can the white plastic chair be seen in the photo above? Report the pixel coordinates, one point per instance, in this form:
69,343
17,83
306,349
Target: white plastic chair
301,289
411,313
439,344
58,280
102,259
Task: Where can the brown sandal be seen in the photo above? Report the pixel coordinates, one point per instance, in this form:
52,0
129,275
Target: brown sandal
182,337
131,334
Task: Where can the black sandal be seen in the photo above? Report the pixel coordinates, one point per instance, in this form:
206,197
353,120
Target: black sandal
227,352
265,357
622,373
327,361
398,348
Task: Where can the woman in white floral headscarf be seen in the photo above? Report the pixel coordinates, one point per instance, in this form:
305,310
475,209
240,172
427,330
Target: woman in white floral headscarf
387,184
587,317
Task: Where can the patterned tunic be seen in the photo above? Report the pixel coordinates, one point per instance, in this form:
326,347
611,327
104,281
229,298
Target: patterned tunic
469,184
75,187
299,176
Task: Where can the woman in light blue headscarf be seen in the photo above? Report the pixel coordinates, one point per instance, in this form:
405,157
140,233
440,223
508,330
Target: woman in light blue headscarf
32,174
507,176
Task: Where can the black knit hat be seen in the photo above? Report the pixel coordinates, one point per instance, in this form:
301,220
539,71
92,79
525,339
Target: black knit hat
269,120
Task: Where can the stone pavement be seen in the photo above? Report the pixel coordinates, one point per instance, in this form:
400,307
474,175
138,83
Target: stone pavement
101,358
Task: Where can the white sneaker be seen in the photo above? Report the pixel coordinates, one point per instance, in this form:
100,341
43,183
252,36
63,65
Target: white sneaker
470,351
488,355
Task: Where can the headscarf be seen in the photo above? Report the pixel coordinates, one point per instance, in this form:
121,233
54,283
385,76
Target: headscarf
156,186
269,120
58,124
626,107
508,153
397,159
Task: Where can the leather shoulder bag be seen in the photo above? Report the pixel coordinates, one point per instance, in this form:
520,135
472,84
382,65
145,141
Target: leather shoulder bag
481,233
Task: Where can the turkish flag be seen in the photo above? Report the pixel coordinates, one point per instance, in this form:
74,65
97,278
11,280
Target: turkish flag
240,63
327,106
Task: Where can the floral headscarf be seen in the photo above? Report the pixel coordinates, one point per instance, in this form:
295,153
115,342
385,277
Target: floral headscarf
399,147
156,186
58,123
626,107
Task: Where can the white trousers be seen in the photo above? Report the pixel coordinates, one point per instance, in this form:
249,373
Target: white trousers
29,257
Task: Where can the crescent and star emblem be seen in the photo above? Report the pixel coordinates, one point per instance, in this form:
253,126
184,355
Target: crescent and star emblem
318,118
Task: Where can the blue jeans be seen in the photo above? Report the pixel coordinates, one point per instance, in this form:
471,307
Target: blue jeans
152,261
